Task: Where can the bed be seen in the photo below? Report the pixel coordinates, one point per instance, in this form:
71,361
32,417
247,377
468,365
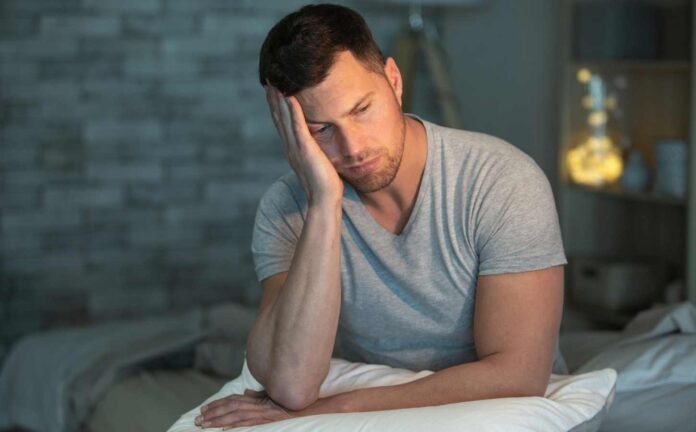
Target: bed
175,363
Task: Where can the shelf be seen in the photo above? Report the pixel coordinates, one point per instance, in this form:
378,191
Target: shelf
633,65
619,192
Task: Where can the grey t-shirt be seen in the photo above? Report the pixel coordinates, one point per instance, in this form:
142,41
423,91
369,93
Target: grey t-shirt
407,300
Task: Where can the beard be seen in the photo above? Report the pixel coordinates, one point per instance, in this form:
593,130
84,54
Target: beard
384,176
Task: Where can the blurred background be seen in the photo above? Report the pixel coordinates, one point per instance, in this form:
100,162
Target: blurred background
135,143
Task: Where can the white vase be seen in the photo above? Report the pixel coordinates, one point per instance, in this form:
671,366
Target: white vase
670,161
635,176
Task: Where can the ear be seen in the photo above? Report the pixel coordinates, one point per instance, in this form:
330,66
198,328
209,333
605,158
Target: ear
393,74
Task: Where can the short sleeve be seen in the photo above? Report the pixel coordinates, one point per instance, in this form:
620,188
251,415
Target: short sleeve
277,229
517,222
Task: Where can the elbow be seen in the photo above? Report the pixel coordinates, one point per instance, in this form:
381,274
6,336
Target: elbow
290,394
532,386
533,390
293,396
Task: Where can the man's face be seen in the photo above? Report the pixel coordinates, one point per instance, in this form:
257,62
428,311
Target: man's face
355,116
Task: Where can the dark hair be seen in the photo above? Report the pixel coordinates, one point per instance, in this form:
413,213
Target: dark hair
301,48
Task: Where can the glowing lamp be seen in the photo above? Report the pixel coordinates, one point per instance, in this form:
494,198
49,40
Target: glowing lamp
595,161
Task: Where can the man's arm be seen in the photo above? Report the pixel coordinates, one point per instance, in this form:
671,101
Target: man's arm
291,342
516,322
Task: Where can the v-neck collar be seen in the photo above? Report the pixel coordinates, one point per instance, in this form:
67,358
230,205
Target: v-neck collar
367,221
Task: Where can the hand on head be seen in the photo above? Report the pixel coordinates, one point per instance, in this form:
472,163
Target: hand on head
315,171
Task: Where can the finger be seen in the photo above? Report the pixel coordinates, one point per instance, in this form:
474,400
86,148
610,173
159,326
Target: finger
220,402
226,417
226,403
230,406
250,392
284,126
233,418
299,124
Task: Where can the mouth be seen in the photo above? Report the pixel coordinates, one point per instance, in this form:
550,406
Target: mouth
364,168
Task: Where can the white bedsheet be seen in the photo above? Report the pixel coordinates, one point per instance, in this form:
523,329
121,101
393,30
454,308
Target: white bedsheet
61,374
655,357
50,380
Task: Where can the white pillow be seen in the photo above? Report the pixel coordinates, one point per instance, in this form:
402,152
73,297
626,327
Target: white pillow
571,403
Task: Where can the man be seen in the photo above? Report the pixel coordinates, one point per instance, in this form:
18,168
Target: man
420,246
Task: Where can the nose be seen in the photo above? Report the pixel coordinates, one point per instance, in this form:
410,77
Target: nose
352,143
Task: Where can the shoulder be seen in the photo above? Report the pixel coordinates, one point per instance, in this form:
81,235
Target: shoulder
480,156
285,196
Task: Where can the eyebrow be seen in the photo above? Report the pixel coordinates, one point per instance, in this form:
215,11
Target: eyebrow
351,111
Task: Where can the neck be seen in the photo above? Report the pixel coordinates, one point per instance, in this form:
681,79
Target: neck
400,195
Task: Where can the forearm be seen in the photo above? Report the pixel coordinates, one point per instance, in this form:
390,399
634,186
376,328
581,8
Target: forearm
486,379
291,342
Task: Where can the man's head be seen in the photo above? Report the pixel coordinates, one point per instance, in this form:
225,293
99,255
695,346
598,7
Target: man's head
301,48
324,56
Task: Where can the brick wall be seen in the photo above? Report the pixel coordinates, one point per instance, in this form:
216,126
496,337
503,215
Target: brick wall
134,147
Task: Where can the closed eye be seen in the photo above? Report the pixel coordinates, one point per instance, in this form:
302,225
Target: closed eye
363,109
321,130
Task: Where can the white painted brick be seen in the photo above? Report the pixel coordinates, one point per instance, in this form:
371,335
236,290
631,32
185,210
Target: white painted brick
165,67
119,47
125,172
197,46
33,177
158,150
267,166
17,26
20,198
165,25
230,26
113,304
14,156
100,218
82,196
182,257
258,129
67,92
203,131
156,195
111,259
18,71
23,6
36,48
114,130
164,236
82,239
193,171
35,220
48,132
109,89
117,6
214,89
234,191
199,214
24,243
47,263
67,25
